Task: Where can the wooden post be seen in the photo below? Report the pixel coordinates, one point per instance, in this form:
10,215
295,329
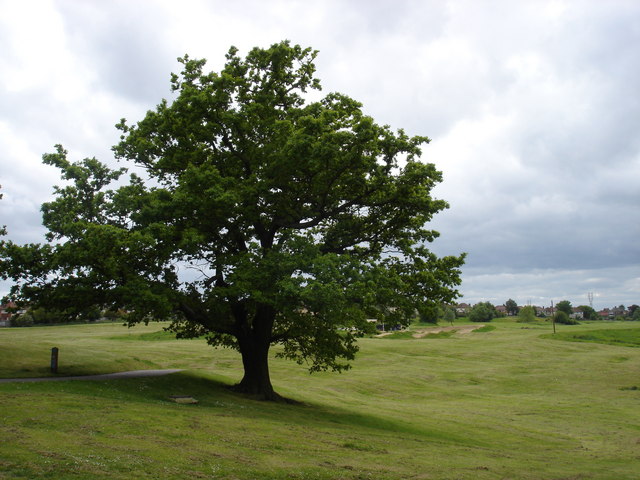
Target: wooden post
54,360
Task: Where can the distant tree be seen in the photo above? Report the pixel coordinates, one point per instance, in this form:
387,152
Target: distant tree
112,314
482,312
430,314
92,314
636,315
264,217
449,314
44,316
564,306
561,317
527,314
512,307
23,320
436,313
588,313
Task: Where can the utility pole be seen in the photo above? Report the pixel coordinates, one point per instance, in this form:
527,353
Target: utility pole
553,318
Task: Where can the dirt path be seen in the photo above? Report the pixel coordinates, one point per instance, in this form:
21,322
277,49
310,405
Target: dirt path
423,332
106,376
461,329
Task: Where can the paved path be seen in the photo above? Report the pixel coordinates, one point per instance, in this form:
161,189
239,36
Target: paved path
106,376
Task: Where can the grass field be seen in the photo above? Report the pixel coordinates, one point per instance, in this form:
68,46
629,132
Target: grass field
512,402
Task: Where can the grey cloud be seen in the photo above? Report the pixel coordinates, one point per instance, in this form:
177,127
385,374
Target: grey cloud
574,204
534,112
125,43
610,286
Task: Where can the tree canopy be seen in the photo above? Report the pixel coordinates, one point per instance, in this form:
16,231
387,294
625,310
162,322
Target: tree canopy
565,306
561,317
527,314
588,312
262,218
512,307
482,312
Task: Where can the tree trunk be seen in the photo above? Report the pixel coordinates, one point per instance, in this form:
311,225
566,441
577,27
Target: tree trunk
256,380
254,347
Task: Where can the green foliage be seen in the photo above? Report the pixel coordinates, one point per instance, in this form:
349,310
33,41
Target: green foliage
435,313
23,320
512,307
482,312
486,328
112,315
629,337
527,314
44,316
632,313
266,219
588,312
561,317
564,306
430,314
449,314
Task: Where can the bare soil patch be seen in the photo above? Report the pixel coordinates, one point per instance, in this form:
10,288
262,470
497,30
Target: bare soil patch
462,329
423,332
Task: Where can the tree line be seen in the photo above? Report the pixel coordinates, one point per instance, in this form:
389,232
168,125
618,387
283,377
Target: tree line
563,312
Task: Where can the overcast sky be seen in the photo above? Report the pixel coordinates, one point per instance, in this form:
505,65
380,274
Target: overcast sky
533,108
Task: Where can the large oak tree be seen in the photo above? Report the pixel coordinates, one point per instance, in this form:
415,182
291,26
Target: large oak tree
261,218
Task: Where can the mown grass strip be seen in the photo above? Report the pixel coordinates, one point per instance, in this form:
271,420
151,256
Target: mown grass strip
486,328
489,406
628,337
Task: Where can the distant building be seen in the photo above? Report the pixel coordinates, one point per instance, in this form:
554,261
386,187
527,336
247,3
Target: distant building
544,311
7,310
605,313
619,311
463,308
577,314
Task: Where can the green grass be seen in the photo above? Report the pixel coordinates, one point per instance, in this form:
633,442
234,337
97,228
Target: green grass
440,335
504,404
147,336
486,328
629,337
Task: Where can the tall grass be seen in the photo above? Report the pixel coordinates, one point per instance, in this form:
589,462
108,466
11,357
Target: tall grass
498,404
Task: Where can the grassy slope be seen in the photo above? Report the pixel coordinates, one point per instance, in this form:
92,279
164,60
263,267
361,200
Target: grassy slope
503,404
